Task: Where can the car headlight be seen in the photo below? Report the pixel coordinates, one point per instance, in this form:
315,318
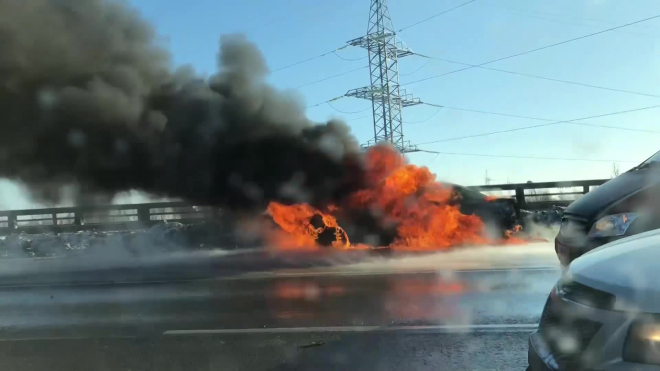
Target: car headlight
612,225
643,343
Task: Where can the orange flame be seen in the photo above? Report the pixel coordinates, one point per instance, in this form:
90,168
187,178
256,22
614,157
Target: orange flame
296,222
426,212
512,236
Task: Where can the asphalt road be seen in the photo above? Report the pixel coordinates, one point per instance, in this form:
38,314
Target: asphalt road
296,313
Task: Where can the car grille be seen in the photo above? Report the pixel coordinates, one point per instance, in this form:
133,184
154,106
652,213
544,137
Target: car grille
567,336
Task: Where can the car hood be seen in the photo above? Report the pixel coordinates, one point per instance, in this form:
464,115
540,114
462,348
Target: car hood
598,200
627,268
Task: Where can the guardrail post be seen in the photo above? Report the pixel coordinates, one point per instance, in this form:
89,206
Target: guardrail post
77,220
585,189
54,215
520,197
144,213
11,221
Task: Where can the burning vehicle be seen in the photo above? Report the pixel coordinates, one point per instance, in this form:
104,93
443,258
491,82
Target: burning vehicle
402,207
624,206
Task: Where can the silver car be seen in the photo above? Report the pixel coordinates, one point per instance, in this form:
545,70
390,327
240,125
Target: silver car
604,314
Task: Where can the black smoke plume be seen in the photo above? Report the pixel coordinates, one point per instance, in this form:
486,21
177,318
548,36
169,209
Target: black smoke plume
88,97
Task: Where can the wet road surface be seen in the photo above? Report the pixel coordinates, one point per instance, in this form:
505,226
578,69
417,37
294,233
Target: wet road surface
302,318
474,351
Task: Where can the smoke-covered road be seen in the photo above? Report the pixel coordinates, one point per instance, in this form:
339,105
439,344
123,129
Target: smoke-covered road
400,316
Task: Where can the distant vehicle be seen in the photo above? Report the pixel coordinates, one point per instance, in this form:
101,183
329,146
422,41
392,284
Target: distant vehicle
604,314
624,206
499,214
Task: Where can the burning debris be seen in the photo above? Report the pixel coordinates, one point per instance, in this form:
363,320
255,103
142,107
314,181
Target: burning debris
90,99
408,210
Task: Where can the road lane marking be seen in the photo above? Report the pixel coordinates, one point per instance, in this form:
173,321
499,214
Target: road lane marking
431,328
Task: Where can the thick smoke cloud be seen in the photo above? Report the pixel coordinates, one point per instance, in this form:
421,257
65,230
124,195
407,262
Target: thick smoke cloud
88,97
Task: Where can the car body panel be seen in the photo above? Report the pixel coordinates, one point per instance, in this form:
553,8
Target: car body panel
594,202
634,191
628,269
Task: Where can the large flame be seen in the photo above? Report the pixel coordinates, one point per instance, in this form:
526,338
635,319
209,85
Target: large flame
298,224
426,213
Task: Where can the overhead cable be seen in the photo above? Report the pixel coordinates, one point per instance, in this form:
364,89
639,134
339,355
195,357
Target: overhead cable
540,77
534,50
331,77
326,101
425,120
531,157
436,15
345,112
417,70
539,125
542,119
309,59
347,59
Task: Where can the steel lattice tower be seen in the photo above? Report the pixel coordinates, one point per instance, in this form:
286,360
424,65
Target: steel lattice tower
387,98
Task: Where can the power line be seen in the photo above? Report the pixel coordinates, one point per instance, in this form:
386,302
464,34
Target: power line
541,119
347,59
614,127
531,157
539,125
486,112
331,77
535,50
527,10
334,51
540,77
436,15
524,13
309,59
419,122
358,118
303,61
326,101
410,73
344,112
575,39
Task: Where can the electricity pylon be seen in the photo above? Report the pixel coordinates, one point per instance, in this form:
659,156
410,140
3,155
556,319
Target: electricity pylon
386,97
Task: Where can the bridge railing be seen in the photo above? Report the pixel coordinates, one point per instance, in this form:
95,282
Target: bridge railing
530,196
534,196
105,217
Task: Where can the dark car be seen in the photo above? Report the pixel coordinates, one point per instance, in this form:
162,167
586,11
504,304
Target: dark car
624,206
499,214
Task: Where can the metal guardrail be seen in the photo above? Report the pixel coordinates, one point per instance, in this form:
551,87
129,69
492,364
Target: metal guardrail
102,217
135,216
522,197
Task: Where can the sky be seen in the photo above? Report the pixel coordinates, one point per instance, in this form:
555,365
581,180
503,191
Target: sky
289,31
